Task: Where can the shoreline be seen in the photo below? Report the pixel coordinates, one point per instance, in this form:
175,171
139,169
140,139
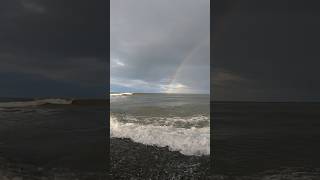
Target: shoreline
14,170
129,159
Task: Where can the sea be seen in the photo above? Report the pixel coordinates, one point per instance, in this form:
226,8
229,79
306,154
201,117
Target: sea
61,137
266,140
180,122
53,137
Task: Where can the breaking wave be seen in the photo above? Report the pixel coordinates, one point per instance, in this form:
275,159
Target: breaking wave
188,141
121,94
37,102
193,121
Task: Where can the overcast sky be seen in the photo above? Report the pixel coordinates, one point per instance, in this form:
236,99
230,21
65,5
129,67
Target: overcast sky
160,46
53,48
261,50
266,50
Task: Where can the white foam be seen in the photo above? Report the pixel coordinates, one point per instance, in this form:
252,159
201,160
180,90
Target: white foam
121,94
191,119
169,121
34,103
193,141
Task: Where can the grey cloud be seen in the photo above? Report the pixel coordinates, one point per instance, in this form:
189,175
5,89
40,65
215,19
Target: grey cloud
33,6
86,71
271,44
57,41
154,38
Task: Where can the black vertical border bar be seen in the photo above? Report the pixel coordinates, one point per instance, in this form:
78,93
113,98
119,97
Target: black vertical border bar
108,83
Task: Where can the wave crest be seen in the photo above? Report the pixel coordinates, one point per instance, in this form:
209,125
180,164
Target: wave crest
193,141
38,102
121,94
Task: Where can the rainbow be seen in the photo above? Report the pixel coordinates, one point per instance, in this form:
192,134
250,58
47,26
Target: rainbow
173,82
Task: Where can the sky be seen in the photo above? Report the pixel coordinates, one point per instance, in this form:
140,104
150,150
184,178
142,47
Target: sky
265,50
260,50
53,48
160,46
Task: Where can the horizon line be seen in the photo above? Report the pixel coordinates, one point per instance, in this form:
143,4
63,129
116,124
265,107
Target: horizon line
156,93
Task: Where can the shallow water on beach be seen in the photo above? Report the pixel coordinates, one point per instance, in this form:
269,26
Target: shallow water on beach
179,121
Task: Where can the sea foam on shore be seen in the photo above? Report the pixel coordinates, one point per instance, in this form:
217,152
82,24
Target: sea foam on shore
193,141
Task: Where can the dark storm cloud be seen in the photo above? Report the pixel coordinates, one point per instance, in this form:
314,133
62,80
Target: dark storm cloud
60,40
160,45
266,50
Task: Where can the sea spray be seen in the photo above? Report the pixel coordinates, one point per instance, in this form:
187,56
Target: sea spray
188,141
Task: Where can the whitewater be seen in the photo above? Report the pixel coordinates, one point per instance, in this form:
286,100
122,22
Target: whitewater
180,122
36,102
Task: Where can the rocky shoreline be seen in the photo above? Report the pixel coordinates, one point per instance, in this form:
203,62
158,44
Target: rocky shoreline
17,171
130,160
